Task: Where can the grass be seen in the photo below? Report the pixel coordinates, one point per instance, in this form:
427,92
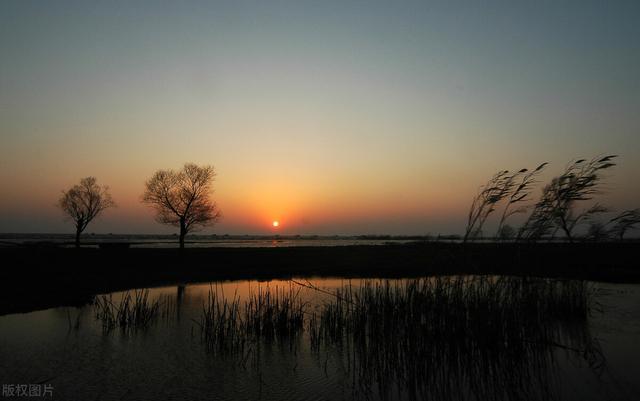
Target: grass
455,337
227,327
120,270
452,337
275,314
491,310
221,325
133,311
439,304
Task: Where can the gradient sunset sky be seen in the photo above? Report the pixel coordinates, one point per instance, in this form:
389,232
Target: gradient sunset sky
345,117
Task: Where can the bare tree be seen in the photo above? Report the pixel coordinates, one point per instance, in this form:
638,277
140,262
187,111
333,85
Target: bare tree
84,202
183,198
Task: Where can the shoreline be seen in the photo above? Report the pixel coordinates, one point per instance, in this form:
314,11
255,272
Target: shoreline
37,278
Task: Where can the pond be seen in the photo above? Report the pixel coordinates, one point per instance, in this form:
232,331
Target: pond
356,339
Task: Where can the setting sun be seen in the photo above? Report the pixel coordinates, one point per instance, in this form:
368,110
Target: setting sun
388,188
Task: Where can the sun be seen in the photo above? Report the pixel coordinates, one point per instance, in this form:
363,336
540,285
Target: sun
275,223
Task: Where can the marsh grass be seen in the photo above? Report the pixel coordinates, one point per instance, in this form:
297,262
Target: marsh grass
512,188
456,337
133,311
557,208
461,337
490,310
221,324
267,315
275,314
437,305
623,223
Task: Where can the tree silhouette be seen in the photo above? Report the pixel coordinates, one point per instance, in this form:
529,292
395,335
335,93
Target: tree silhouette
183,198
84,202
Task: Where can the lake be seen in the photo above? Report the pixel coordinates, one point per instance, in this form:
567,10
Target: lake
203,241
78,357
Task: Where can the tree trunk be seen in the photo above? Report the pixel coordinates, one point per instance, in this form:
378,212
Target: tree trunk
183,233
78,232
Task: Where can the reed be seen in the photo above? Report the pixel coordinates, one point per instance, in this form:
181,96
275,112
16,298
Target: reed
441,305
231,327
623,223
556,209
456,337
460,337
221,324
134,311
275,314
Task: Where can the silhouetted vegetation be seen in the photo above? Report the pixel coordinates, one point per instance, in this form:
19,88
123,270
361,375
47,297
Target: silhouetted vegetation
130,313
496,189
624,222
183,198
520,193
430,338
556,210
45,273
456,337
84,202
227,327
515,188
221,324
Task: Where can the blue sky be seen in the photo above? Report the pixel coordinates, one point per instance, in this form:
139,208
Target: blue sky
335,117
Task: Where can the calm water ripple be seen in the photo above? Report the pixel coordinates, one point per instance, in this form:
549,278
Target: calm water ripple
68,348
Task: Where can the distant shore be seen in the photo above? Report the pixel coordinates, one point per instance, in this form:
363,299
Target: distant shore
36,277
212,240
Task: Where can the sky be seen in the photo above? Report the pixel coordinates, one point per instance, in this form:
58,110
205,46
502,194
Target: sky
333,117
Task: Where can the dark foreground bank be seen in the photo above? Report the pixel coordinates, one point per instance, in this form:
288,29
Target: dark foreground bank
37,278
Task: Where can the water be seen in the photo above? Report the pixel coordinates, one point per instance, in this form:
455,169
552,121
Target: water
168,359
201,241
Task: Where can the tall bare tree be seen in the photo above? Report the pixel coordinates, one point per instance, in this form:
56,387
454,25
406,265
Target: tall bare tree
84,202
183,198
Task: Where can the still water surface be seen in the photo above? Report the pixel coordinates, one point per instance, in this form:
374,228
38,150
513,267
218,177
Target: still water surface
168,360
